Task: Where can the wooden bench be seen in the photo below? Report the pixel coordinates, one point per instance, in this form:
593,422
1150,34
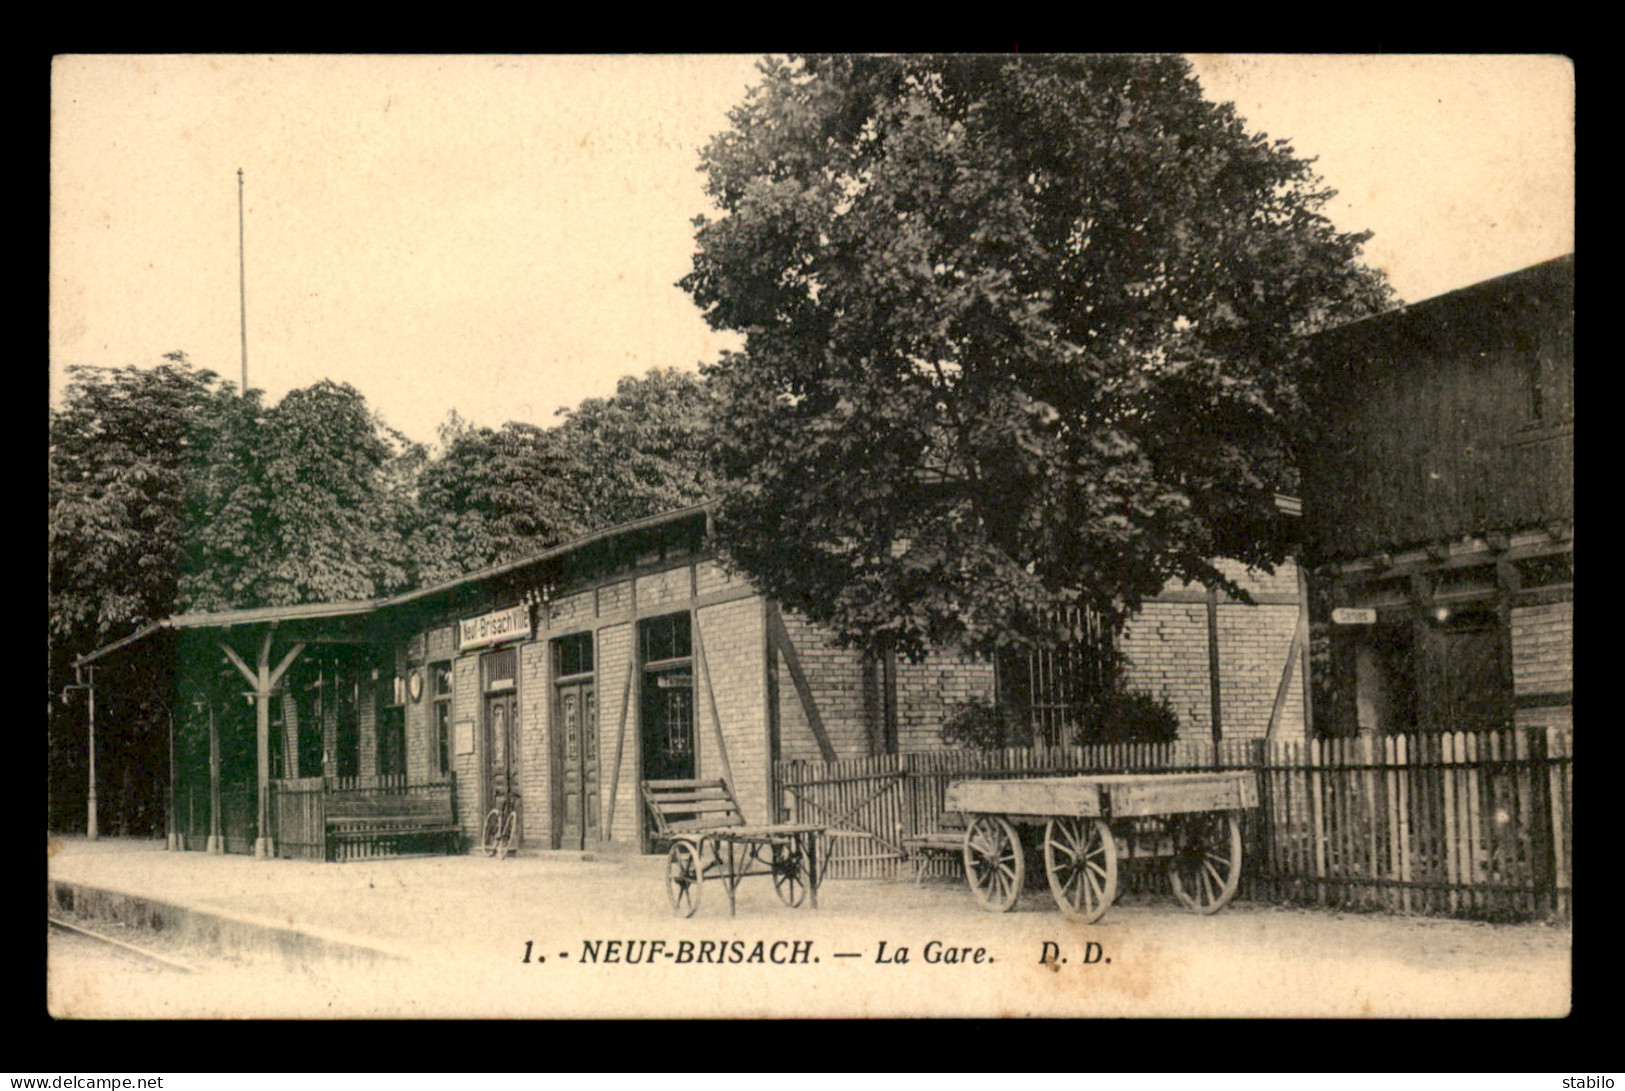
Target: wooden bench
948,839
363,824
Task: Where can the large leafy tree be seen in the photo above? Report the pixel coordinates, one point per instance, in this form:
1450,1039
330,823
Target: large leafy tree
1018,330
169,492
125,447
640,452
490,495
306,501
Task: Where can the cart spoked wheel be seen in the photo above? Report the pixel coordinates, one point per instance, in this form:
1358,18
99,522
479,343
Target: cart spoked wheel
790,872
683,878
1080,858
491,834
1206,866
994,865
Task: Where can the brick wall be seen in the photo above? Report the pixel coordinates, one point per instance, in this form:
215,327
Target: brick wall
733,640
572,611
535,755
1166,645
465,705
1543,660
711,577
835,678
1166,649
1253,645
618,726
614,597
926,690
660,588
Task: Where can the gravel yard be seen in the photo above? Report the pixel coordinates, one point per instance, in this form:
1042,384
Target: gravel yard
558,938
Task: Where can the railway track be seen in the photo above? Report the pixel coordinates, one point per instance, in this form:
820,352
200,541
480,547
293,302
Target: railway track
127,948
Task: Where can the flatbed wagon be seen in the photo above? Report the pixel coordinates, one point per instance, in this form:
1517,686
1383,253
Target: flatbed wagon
1189,821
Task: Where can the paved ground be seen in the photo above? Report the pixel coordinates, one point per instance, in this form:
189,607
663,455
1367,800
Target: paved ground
537,937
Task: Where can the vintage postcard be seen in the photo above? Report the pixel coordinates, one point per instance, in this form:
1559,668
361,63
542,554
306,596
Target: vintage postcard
571,537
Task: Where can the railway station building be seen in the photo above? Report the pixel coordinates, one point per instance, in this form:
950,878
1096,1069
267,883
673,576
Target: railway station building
631,654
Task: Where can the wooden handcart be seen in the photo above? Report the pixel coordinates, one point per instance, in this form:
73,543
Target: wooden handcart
709,839
1187,820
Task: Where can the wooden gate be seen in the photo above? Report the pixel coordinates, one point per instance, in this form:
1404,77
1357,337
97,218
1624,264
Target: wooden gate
299,819
864,795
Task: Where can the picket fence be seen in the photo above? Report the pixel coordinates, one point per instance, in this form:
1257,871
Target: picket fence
1476,825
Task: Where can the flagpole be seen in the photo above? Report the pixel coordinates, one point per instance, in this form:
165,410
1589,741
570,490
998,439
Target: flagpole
242,279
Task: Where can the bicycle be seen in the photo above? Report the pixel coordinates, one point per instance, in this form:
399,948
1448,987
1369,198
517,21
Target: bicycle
501,831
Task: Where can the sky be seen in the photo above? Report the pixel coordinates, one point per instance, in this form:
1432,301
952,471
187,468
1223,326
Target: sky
503,236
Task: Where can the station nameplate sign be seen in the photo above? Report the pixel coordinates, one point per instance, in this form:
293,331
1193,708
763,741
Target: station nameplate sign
1349,615
493,628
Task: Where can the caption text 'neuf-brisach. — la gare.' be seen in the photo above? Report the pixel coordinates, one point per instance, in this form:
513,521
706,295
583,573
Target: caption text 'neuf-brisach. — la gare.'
784,952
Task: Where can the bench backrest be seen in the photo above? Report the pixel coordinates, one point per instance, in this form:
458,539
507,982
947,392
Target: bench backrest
690,806
427,808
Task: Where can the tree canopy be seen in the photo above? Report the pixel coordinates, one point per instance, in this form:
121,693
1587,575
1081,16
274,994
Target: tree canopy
491,495
640,452
1018,331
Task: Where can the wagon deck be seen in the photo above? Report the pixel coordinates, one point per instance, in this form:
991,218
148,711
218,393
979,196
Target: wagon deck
1186,819
1111,795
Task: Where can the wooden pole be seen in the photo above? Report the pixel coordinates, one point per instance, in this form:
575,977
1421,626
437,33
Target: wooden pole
90,746
216,844
171,816
1213,667
262,749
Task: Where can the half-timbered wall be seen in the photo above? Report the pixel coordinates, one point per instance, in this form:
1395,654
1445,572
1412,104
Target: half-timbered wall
1166,646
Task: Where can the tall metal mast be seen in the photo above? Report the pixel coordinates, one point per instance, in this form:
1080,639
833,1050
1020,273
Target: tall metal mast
242,279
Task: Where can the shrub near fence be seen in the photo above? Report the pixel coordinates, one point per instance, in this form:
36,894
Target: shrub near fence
1460,824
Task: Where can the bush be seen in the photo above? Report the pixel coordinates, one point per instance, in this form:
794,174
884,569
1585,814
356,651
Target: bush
1129,717
978,725
1112,717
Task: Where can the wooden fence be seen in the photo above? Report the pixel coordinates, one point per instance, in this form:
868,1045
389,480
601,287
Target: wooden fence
1461,824
300,809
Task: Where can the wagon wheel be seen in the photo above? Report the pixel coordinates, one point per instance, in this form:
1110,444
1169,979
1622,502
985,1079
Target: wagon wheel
683,878
492,832
790,872
1080,858
994,865
1207,860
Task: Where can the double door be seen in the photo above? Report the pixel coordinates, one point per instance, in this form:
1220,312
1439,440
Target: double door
575,765
501,748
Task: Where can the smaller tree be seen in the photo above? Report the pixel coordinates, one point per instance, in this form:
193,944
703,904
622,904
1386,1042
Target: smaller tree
642,451
302,502
491,495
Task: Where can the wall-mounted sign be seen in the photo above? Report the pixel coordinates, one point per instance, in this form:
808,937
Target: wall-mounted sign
465,736
1350,615
493,628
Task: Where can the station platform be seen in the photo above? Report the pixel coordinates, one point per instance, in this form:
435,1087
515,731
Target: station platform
396,908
